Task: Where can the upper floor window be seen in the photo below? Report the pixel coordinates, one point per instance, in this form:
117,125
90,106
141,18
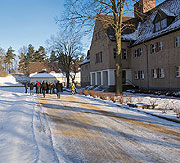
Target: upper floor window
178,71
177,42
98,57
138,52
158,26
114,52
156,47
123,53
161,25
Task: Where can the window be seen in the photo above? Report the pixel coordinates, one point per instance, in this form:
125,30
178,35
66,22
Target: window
124,53
177,43
114,52
136,75
138,52
158,26
156,47
161,25
178,71
141,74
158,73
154,73
161,73
135,53
153,48
98,57
160,46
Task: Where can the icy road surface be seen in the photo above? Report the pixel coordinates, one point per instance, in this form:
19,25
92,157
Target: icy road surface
88,130
77,129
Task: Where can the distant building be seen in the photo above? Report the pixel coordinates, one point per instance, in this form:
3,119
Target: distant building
52,77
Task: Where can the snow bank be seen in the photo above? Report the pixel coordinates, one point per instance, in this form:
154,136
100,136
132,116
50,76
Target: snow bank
9,81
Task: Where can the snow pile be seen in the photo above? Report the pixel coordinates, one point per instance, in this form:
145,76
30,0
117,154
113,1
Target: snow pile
9,81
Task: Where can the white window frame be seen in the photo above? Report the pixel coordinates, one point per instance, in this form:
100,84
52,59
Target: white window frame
154,73
161,73
141,75
140,51
177,42
160,46
153,48
178,71
136,76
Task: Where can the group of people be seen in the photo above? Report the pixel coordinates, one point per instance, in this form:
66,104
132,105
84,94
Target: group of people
45,88
48,88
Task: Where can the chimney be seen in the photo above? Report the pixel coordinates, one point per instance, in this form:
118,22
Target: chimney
143,6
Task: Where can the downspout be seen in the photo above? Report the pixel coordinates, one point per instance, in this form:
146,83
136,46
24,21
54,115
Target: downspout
147,65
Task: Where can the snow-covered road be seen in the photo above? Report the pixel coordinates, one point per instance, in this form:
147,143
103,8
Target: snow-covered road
80,129
88,130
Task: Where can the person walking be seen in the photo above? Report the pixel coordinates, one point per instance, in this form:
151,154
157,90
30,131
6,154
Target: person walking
58,88
31,88
44,87
26,87
73,88
38,87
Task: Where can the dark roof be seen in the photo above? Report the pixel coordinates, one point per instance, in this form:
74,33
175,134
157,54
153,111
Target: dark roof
43,66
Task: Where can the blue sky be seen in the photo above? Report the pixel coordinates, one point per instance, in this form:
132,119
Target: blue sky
25,22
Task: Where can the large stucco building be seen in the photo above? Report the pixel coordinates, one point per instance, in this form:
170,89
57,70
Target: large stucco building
150,54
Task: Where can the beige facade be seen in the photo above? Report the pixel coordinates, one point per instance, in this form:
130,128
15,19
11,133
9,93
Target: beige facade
167,59
150,59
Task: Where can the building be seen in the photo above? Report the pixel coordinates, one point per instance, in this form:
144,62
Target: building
40,71
150,54
52,77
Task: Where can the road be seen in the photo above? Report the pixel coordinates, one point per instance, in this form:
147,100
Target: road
88,130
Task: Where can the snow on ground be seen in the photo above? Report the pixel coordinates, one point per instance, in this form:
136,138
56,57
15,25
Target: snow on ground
10,80
25,133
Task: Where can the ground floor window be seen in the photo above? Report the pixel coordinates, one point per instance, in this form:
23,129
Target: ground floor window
178,71
139,75
158,73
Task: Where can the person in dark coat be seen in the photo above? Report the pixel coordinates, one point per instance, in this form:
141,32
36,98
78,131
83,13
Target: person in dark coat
58,88
31,88
26,87
44,87
47,90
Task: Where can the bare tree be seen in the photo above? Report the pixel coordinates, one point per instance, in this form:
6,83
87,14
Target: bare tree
67,47
2,58
85,12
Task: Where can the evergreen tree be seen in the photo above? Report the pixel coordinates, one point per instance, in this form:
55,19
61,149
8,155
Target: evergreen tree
39,55
53,56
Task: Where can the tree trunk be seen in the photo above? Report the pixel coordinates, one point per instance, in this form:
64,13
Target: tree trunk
67,76
119,89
